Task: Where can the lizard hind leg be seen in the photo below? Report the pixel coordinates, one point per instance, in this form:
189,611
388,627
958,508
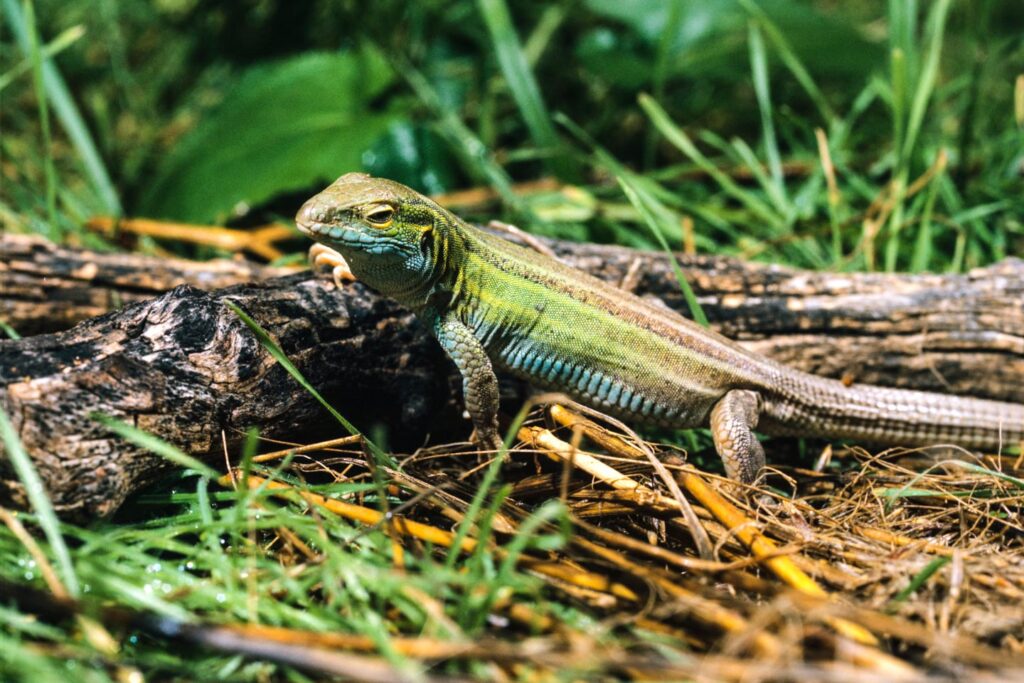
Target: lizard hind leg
732,422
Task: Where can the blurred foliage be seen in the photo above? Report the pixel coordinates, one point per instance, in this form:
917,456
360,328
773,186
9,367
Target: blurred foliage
709,38
214,112
250,147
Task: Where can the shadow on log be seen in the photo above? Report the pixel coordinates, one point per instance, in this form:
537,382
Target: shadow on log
183,367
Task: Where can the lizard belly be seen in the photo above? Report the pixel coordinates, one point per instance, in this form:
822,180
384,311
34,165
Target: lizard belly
619,391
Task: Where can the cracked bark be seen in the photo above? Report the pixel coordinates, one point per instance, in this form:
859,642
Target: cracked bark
183,367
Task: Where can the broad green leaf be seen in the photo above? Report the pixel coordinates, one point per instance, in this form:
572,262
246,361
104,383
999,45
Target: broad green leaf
709,39
282,127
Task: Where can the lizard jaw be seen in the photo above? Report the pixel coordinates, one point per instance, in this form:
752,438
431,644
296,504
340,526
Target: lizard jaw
321,224
333,233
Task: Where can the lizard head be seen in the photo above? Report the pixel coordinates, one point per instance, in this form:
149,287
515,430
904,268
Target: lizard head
385,230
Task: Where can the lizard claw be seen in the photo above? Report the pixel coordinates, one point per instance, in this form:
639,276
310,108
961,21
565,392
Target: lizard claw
490,440
321,255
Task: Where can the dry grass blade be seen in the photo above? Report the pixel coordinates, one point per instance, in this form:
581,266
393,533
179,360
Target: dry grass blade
725,512
259,241
744,529
784,567
308,651
704,610
440,537
309,448
638,451
763,548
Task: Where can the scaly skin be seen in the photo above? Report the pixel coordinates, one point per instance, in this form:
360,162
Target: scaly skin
491,301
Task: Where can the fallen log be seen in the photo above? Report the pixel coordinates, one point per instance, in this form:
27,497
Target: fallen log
45,287
185,368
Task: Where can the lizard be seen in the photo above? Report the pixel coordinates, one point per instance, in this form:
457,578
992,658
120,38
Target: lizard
494,304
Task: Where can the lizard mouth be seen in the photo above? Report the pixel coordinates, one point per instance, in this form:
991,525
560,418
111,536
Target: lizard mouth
333,233
317,229
311,228
329,229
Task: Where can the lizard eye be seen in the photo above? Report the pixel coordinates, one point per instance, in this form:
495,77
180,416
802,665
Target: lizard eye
381,216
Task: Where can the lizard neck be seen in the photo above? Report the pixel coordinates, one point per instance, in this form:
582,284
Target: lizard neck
441,280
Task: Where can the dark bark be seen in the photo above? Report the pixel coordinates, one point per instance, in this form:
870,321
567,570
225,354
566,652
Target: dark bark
183,367
49,288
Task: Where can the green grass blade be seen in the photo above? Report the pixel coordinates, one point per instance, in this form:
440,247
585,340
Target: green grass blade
67,113
909,116
472,513
978,469
35,56
658,218
762,90
279,355
891,495
474,153
483,490
936,27
771,188
682,141
522,84
902,16
980,211
923,248
895,223
40,502
898,85
9,331
538,40
527,532
659,75
792,62
647,206
63,41
919,580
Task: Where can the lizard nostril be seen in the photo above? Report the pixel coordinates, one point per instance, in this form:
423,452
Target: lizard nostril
309,215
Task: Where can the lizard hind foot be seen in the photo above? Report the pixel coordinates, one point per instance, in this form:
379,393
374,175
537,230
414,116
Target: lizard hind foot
487,440
733,420
322,256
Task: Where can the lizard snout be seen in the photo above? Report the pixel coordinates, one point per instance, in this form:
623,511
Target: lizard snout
312,216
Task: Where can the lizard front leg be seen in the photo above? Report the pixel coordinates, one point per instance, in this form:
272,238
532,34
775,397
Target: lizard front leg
479,384
732,422
322,255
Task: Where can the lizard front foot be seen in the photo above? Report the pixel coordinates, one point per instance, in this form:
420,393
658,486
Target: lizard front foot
321,255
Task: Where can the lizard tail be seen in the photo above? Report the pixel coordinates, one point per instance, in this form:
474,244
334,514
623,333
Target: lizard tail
897,417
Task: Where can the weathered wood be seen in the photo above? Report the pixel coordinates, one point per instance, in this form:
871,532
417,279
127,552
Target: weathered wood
48,288
185,368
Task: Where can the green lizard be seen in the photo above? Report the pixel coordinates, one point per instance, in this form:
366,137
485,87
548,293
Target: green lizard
493,303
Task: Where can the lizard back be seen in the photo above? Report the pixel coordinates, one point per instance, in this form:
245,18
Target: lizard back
566,330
